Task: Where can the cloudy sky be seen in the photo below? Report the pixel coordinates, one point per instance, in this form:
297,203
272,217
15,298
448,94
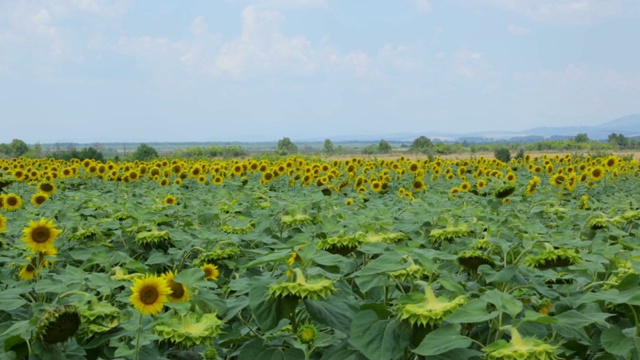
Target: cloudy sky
248,70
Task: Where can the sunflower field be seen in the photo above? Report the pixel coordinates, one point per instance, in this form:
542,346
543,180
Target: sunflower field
307,258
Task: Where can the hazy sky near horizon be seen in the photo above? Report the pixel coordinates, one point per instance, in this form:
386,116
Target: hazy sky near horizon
249,70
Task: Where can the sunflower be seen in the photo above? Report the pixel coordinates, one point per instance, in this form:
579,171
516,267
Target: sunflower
179,291
27,272
46,187
348,202
40,235
533,184
611,162
12,202
596,173
418,185
149,294
39,198
3,223
211,271
170,200
59,324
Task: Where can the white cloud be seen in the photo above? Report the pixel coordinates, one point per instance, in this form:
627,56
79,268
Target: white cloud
423,6
469,64
578,92
569,12
518,30
399,57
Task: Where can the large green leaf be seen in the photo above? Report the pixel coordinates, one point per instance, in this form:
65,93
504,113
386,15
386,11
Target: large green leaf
443,339
475,311
377,338
504,302
617,342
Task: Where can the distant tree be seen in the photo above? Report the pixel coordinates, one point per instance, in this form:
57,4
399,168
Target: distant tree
619,140
144,152
328,146
18,148
421,144
581,138
384,147
503,154
286,147
370,150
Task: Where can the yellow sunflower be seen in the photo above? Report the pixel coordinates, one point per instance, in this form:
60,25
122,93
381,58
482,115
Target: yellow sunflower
150,293
211,271
27,272
597,173
170,200
12,202
40,235
39,198
3,223
46,187
179,291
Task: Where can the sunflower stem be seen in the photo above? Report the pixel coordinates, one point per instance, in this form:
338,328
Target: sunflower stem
138,335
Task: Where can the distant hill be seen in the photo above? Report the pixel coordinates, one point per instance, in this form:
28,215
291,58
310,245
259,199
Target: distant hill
628,126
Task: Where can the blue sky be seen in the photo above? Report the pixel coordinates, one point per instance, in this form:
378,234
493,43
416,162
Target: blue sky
241,70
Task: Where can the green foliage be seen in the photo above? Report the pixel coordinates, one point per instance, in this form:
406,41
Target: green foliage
581,138
144,152
503,154
200,152
421,144
84,153
328,146
286,147
384,147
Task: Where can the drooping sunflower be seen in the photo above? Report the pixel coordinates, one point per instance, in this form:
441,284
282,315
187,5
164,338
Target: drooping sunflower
211,271
149,294
179,291
59,324
39,198
40,235
12,202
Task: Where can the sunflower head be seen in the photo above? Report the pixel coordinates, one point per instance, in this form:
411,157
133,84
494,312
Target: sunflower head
12,202
301,289
221,252
3,223
59,324
307,333
552,258
295,220
46,187
429,310
170,200
342,244
189,330
179,291
97,317
149,294
211,271
386,237
504,191
39,198
472,259
153,238
520,349
40,235
449,233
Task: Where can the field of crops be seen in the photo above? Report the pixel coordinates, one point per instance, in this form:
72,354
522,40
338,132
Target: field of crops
302,258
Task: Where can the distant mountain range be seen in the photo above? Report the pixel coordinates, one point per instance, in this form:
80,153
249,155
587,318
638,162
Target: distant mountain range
628,126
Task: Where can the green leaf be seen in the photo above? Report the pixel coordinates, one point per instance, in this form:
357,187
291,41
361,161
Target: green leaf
504,302
10,299
475,311
334,312
383,264
378,339
617,343
577,319
263,307
443,339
